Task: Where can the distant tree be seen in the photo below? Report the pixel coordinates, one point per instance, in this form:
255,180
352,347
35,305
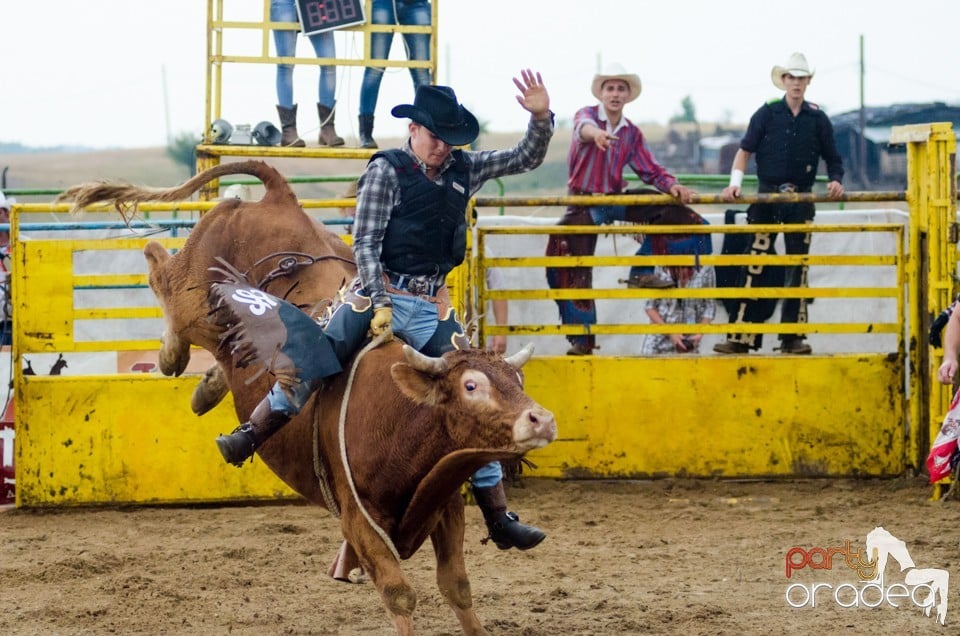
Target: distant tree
688,111
183,150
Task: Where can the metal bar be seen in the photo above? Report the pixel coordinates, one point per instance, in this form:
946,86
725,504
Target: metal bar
321,61
730,259
276,151
708,292
295,26
689,229
102,225
104,281
666,199
104,313
767,328
90,346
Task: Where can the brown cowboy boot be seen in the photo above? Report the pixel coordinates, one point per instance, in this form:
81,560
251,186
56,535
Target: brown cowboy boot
288,127
366,132
328,134
505,528
240,445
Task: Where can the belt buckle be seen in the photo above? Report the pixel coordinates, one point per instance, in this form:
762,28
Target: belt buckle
419,287
787,188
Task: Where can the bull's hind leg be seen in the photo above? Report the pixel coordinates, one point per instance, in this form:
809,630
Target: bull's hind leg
398,596
452,579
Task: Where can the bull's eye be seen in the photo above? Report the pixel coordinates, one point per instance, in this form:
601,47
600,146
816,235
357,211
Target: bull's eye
470,386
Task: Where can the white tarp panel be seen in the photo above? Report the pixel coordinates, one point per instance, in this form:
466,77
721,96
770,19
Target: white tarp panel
632,311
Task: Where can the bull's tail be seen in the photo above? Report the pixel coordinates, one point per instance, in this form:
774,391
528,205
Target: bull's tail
125,196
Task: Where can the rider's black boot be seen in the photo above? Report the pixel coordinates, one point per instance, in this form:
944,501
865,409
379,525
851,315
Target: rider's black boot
240,445
505,528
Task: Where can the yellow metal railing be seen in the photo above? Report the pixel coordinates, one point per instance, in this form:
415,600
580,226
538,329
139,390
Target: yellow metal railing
892,291
608,431
209,154
218,28
932,194
897,265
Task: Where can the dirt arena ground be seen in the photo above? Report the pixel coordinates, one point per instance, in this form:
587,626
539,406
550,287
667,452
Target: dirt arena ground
660,557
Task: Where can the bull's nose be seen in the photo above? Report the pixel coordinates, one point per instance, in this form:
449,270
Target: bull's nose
542,423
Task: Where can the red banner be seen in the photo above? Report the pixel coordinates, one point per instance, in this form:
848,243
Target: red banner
7,490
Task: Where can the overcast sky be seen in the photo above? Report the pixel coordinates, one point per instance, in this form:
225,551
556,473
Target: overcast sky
125,73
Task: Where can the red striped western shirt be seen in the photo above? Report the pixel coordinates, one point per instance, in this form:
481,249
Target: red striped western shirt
595,171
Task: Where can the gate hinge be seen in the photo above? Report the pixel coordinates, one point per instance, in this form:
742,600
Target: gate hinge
954,233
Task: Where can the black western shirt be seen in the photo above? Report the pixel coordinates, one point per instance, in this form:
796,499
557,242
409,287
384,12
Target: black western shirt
787,148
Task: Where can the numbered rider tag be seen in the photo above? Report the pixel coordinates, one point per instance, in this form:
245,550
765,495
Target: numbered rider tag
258,300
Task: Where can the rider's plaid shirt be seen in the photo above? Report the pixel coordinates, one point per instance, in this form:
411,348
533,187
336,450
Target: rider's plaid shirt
379,193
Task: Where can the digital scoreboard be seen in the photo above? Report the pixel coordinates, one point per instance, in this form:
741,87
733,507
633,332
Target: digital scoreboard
317,16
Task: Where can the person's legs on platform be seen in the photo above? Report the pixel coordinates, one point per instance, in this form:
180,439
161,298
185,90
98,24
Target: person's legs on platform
794,310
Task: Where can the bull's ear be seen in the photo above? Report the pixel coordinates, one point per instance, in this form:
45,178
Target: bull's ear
416,385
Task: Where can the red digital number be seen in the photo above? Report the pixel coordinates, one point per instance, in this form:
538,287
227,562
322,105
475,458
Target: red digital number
348,9
321,13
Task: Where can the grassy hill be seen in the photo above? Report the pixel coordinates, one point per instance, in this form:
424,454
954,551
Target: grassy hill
152,166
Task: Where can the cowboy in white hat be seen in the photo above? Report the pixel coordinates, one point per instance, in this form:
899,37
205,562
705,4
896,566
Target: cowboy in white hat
601,126
604,143
789,137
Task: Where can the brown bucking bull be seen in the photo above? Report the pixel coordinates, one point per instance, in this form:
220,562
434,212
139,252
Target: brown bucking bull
415,428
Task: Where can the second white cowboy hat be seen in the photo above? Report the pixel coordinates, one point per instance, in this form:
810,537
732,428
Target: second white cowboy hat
796,66
616,71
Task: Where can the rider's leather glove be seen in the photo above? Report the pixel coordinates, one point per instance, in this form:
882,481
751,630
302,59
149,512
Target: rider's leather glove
382,320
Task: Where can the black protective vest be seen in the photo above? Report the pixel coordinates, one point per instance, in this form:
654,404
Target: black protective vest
427,232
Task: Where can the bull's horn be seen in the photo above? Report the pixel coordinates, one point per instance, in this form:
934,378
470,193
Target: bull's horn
520,358
427,364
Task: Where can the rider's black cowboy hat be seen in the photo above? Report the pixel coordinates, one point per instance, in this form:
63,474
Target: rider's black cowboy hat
437,108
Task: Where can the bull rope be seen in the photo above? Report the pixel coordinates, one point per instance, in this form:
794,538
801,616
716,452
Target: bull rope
318,468
288,263
376,342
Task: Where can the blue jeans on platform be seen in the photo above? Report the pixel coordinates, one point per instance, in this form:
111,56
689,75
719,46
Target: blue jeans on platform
606,214
403,12
286,44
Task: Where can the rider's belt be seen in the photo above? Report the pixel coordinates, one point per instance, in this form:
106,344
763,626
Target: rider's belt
417,285
784,188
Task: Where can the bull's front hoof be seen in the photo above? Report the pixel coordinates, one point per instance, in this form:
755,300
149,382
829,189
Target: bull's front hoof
173,364
174,354
212,389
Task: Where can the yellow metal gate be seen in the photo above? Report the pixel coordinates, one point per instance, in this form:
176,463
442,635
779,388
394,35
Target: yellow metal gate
122,437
